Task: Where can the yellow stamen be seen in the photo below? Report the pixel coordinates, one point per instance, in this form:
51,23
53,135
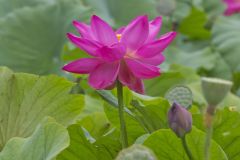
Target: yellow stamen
119,36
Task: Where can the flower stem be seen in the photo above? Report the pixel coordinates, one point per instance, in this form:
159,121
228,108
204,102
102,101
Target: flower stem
187,150
208,122
208,143
124,138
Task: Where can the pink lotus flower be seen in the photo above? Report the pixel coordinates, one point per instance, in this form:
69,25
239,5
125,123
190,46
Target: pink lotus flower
129,55
233,6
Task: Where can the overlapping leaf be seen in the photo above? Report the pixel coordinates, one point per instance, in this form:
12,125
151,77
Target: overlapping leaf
225,130
25,99
167,146
48,140
80,147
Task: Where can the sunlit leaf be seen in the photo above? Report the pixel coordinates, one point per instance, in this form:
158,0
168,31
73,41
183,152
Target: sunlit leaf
167,146
134,128
225,130
48,140
25,99
105,148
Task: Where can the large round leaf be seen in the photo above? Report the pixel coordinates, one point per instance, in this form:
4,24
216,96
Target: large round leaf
167,146
134,129
32,37
225,131
45,143
197,59
226,35
25,99
104,148
9,6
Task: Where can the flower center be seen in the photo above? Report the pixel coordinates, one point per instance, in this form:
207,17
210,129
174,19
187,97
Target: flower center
119,36
129,54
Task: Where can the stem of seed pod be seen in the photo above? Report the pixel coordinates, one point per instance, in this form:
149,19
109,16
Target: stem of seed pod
187,150
208,122
124,139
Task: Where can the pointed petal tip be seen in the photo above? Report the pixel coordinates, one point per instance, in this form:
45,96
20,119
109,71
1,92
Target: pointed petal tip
135,34
70,35
95,17
173,33
82,66
74,22
65,68
140,18
145,17
157,19
170,34
103,31
156,22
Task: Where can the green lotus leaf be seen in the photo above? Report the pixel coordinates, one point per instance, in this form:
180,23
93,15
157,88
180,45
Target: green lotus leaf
25,99
167,146
49,139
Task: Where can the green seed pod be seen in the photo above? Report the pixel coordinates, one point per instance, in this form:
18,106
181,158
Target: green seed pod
215,90
182,95
136,152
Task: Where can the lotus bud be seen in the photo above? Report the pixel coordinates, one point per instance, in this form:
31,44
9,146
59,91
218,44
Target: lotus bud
180,120
215,90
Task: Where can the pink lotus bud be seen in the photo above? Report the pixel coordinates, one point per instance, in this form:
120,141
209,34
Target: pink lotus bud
180,120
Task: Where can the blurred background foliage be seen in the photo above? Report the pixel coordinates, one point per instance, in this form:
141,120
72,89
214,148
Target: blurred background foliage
32,35
33,40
